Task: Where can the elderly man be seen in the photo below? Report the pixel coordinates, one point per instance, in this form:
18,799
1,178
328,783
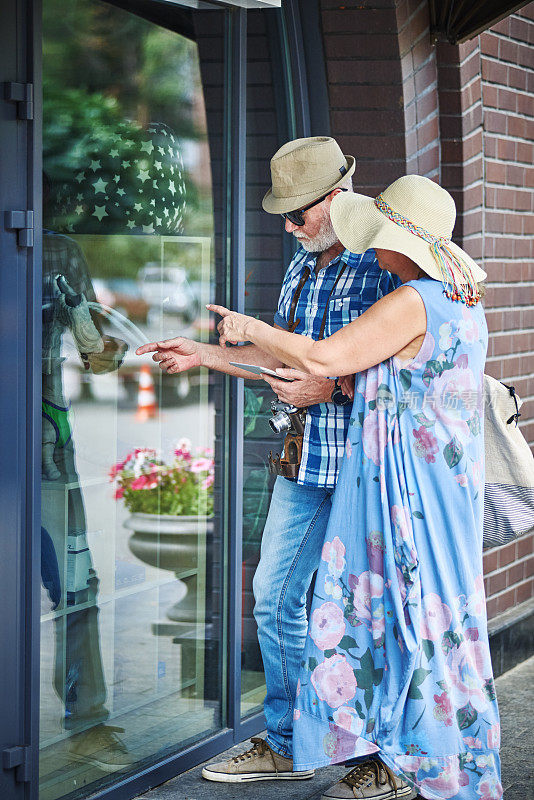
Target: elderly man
325,288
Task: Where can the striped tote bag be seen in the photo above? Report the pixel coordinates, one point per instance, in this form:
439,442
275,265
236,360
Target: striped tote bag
509,489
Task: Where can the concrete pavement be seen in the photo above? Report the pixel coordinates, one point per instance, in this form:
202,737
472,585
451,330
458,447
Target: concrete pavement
516,701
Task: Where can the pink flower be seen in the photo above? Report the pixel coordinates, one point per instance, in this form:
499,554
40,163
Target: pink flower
475,605
402,521
461,479
334,681
443,708
145,482
489,788
446,784
207,482
467,668
201,465
375,551
374,436
426,445
346,717
472,634
452,383
494,737
334,554
369,381
183,446
365,587
467,329
327,626
436,617
339,744
475,744
119,493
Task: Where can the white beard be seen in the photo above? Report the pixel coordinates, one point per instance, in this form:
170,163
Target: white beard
323,240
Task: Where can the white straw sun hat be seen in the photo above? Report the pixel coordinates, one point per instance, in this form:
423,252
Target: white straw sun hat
413,216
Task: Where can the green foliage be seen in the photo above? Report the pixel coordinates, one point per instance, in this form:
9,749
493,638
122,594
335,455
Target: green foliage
419,675
453,452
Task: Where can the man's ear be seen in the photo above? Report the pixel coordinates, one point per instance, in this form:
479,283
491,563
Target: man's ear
331,196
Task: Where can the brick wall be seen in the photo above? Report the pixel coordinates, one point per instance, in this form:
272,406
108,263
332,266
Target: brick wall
462,115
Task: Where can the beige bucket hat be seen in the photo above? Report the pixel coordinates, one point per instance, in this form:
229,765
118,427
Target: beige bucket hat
304,170
413,216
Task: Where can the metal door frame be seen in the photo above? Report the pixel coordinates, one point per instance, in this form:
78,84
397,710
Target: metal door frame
20,356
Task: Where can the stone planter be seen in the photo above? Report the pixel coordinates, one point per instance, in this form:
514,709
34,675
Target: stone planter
177,544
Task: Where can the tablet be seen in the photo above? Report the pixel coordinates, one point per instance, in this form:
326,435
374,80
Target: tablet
260,371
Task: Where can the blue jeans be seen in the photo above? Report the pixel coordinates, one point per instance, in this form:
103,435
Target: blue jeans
290,553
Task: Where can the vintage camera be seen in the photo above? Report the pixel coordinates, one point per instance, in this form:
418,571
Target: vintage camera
286,418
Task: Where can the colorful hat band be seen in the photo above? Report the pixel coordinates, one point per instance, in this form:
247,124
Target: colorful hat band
466,289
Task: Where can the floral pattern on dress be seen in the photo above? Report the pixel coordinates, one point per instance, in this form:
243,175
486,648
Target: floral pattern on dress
397,660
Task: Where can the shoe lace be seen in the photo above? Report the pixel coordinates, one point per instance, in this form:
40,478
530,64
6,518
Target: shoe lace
258,749
371,769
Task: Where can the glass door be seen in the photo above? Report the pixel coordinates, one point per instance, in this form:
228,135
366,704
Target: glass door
131,622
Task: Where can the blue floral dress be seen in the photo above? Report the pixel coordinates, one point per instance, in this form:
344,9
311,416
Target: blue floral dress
397,659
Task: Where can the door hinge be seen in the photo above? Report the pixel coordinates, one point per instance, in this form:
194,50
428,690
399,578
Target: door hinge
18,758
22,222
22,95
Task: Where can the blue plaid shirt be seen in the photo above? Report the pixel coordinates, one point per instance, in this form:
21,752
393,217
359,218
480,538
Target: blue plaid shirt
361,285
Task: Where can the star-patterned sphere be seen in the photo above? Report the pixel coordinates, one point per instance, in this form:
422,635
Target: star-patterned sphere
136,186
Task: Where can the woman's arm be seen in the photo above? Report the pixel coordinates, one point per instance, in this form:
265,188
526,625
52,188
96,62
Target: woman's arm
382,331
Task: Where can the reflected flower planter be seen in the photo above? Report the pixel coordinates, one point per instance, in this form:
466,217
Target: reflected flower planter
177,544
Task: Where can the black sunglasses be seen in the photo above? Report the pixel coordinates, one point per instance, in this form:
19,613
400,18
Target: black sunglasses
297,218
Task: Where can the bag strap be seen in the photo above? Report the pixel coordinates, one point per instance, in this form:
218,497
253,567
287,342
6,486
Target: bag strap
292,322
515,416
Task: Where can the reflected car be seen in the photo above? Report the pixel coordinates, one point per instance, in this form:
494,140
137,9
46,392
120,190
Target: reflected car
124,295
168,293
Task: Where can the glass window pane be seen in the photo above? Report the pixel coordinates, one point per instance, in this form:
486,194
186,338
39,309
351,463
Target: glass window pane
132,629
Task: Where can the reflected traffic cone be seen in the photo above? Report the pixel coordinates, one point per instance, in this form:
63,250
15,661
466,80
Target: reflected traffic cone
147,408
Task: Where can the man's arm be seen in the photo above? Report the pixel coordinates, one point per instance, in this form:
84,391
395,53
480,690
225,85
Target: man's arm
179,355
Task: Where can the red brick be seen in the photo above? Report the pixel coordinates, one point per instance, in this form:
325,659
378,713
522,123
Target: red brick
507,554
494,71
528,568
489,44
524,591
498,581
515,574
506,149
505,600
508,50
491,558
491,608
502,27
517,78
525,546
495,121
519,28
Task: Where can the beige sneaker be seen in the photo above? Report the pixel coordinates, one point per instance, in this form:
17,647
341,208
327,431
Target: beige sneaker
370,780
260,763
101,747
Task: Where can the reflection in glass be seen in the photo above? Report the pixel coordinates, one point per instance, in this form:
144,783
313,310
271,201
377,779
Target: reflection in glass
131,630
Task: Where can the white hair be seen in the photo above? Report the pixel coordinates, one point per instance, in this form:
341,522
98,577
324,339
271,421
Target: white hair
347,184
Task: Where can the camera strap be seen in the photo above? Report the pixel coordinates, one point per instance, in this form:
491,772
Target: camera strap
288,464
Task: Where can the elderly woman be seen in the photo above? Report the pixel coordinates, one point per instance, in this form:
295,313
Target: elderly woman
397,667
